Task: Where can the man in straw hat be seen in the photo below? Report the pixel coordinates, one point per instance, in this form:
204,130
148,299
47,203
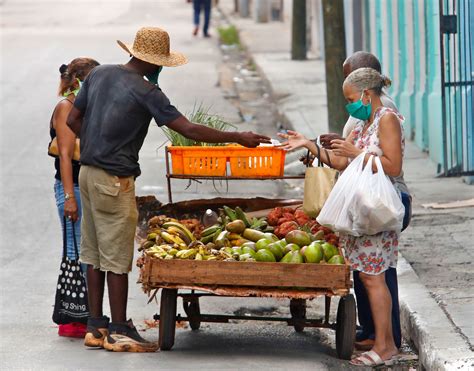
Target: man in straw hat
111,115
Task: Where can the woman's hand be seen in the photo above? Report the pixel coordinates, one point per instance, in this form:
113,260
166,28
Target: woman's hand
344,148
70,210
294,140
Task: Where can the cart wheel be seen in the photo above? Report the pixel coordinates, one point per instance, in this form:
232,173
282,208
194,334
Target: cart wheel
193,311
167,318
345,327
298,312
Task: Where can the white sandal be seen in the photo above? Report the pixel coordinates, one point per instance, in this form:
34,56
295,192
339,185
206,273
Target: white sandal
369,358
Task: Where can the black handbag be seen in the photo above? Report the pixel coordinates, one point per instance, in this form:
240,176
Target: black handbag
71,303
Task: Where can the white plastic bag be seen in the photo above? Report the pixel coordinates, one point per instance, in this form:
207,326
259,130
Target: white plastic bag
375,205
334,213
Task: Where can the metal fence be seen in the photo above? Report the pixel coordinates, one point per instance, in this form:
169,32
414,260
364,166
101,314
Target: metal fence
457,80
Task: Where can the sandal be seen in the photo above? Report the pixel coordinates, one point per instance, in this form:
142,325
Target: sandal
369,358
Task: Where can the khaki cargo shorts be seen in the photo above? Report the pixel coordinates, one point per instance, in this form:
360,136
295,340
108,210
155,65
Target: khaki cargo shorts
109,220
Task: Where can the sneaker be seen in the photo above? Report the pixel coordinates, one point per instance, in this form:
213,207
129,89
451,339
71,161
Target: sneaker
124,337
97,330
72,330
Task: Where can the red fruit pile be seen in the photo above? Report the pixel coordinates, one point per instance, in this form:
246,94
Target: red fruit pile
287,219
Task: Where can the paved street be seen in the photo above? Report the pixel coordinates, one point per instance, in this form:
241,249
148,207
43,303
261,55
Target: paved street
37,37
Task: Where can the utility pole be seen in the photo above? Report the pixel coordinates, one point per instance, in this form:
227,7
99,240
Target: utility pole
298,34
261,10
335,55
244,10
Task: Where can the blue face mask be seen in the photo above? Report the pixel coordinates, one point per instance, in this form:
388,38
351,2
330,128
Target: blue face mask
359,110
153,77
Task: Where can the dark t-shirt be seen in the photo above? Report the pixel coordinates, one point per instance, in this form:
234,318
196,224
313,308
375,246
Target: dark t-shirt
118,105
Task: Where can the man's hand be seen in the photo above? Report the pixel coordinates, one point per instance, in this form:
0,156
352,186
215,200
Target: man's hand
250,139
307,161
326,139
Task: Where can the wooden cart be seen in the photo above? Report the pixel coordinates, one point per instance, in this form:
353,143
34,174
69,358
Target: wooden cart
297,282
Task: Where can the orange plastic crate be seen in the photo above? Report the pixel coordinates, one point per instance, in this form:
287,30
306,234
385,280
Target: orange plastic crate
256,162
204,161
212,161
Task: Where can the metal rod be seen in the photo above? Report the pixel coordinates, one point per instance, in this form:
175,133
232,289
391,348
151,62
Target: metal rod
459,83
327,308
234,177
168,175
218,318
443,95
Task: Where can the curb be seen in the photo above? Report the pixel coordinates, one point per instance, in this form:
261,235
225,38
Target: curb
425,324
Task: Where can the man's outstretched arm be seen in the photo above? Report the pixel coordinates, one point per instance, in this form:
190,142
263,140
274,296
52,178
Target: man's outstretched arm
205,134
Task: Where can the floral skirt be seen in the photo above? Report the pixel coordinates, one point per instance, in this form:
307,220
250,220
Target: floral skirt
371,254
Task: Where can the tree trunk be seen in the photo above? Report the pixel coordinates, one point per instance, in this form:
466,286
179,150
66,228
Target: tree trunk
335,55
298,36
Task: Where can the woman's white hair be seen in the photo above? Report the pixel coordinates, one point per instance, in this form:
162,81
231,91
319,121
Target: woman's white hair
367,78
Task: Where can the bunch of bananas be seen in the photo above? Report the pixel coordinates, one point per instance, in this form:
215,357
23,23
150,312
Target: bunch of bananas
176,233
175,241
228,215
195,251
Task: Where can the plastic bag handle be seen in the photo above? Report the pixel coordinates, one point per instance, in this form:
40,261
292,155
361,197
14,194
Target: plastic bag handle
368,166
378,163
359,161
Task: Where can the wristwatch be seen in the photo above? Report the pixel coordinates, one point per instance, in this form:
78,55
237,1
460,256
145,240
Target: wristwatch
68,196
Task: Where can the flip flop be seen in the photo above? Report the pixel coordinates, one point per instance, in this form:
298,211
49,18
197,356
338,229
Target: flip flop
369,358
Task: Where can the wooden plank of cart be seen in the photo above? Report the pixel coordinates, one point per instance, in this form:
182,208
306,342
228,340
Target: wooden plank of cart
297,282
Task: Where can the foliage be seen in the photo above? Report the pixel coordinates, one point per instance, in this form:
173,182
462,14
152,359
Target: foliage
229,35
199,115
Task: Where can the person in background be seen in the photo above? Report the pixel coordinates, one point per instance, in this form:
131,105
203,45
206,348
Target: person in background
366,334
379,132
66,188
111,115
198,6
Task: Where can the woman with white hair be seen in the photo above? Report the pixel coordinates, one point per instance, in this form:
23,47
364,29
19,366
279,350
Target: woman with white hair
379,133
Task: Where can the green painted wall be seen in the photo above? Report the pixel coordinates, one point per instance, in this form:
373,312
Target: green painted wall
419,100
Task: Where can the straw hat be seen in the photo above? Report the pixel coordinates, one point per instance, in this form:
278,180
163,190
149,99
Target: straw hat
152,45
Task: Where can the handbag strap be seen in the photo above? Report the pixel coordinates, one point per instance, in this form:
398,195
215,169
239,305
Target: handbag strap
318,148
76,250
329,158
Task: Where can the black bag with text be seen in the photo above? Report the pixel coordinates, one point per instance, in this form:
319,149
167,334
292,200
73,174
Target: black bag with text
71,291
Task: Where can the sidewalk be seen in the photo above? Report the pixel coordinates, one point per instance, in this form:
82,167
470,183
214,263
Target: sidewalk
437,282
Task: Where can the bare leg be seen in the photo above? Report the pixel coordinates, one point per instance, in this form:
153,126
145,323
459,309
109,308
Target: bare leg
381,307
95,289
118,294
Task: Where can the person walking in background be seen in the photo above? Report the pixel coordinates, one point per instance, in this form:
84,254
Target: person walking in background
199,5
66,188
111,115
379,132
